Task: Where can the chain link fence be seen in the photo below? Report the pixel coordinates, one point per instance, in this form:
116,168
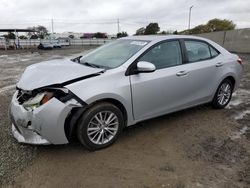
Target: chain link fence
33,43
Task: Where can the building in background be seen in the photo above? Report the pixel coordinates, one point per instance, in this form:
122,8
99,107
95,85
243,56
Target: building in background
71,35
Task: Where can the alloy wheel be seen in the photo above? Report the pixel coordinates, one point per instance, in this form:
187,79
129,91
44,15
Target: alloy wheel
103,127
224,94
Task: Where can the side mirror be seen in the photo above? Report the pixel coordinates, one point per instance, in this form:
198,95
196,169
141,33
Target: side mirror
144,66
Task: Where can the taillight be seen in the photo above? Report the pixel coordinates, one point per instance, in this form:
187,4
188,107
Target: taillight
240,61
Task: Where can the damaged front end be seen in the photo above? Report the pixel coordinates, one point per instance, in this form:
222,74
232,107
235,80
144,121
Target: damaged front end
38,116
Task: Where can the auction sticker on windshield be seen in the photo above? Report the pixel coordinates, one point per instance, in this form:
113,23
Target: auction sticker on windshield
139,43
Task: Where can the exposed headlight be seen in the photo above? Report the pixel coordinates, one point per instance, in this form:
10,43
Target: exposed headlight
37,101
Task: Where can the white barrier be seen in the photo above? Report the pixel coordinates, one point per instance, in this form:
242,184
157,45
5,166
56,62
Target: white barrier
33,43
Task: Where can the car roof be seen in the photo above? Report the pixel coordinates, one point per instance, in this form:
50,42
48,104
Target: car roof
157,38
161,37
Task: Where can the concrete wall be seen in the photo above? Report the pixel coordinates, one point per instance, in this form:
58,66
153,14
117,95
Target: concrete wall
233,40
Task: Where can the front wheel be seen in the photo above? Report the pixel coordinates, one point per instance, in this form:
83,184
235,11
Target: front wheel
223,94
100,126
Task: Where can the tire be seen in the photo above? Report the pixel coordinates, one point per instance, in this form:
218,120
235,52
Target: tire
223,96
93,132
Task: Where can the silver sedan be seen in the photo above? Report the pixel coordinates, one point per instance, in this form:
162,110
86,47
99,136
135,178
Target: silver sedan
119,84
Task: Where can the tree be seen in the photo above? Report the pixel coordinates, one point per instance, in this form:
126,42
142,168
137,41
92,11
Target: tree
30,33
220,25
199,29
152,29
10,35
122,34
211,26
34,36
22,37
175,32
100,35
40,31
163,33
168,32
140,31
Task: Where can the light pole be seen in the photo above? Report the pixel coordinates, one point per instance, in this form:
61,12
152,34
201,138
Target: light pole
189,19
118,25
52,26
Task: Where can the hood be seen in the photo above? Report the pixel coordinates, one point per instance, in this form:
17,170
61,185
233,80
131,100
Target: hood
53,72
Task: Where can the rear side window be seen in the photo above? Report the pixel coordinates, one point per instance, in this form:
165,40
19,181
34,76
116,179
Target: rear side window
214,52
197,51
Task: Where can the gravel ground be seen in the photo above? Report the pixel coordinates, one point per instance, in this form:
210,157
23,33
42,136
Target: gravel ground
198,147
13,156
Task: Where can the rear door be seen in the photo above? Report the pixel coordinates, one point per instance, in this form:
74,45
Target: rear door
204,65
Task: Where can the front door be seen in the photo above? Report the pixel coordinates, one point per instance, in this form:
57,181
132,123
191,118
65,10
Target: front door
162,90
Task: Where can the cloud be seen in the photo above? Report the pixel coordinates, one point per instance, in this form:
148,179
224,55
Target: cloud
99,15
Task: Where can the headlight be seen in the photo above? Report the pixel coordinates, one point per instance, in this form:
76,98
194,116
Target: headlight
37,101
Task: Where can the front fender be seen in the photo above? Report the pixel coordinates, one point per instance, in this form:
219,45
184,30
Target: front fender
107,86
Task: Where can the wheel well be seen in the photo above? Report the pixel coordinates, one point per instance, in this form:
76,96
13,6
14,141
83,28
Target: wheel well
73,117
231,79
117,104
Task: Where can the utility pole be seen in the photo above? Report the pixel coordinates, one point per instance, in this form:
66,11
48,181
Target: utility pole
118,25
52,26
189,19
16,37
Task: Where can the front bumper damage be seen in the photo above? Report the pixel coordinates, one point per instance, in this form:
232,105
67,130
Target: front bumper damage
44,125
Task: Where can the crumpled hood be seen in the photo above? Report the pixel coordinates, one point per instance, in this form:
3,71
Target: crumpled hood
53,72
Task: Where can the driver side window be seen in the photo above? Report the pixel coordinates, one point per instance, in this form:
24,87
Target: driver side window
164,55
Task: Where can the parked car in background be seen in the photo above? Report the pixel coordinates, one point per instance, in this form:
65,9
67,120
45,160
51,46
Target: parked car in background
119,84
64,41
45,46
56,44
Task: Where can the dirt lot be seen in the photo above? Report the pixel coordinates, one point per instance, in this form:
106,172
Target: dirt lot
198,147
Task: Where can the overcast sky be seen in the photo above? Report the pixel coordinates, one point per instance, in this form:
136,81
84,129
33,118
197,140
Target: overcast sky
102,15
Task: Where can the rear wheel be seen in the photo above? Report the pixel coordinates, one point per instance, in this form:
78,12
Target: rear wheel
100,126
223,94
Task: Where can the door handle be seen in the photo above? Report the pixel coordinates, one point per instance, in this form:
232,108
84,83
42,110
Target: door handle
182,73
219,64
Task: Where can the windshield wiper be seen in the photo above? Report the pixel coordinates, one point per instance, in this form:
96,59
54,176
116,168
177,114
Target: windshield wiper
90,65
77,59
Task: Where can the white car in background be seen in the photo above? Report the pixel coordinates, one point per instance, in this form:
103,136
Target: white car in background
56,44
45,46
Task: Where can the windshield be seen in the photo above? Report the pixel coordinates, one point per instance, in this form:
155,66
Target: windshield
113,54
